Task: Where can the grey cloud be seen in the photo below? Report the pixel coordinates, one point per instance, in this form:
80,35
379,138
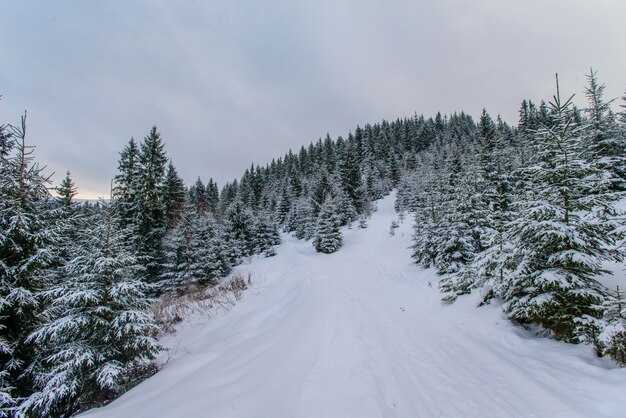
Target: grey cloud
230,83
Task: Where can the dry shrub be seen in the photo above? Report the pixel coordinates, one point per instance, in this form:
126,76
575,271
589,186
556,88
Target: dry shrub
237,284
205,302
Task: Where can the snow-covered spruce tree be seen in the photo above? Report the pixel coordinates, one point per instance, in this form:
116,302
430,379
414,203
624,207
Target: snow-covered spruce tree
612,339
346,212
605,145
240,228
492,212
7,402
301,220
26,236
284,205
174,196
559,247
178,253
99,338
327,237
66,191
455,241
151,216
407,193
220,252
266,235
212,197
320,189
198,196
350,173
126,184
427,207
209,259
68,220
196,252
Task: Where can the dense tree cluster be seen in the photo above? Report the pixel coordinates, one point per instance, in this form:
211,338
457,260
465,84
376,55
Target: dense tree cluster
76,330
77,280
526,214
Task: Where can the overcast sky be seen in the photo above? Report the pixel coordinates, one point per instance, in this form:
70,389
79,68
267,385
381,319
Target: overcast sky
230,82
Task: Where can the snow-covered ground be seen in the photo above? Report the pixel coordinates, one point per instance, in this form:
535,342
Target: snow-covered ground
362,333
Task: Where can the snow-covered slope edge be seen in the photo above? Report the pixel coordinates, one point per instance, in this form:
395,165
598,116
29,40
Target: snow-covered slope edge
362,333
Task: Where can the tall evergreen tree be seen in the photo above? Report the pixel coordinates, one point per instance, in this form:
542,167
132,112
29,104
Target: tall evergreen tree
605,145
350,173
178,252
25,239
559,248
198,196
212,196
266,234
328,237
301,219
321,188
99,336
456,239
491,214
346,212
6,399
210,258
126,184
428,207
239,225
66,191
175,196
151,215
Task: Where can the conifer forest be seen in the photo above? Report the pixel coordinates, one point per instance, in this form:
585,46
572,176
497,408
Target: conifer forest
527,213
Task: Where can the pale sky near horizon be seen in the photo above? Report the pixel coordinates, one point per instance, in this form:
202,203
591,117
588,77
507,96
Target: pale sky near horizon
229,83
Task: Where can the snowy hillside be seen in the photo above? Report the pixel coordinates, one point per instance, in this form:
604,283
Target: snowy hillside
362,333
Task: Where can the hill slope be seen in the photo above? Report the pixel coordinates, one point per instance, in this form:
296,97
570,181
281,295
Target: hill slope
362,333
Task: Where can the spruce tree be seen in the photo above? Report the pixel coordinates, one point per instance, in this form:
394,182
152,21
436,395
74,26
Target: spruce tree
428,212
456,239
605,145
66,191
282,212
198,196
612,340
350,173
175,196
327,237
491,214
209,255
67,222
212,196
560,248
151,217
346,212
266,235
240,228
178,252
126,184
455,242
301,219
99,336
25,242
7,402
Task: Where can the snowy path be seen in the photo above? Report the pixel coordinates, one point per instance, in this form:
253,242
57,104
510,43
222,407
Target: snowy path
360,333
